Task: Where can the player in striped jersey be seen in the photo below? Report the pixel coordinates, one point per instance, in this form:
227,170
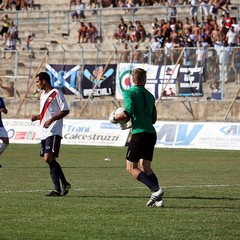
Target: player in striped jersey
53,108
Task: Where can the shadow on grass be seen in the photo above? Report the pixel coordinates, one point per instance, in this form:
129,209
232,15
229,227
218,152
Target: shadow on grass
207,198
143,197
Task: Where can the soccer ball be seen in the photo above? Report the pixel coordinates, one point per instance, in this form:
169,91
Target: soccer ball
116,112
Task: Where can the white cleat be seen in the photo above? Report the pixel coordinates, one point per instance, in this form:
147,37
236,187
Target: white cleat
154,197
159,203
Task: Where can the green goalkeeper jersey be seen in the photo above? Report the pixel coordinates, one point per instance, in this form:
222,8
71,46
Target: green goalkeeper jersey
140,107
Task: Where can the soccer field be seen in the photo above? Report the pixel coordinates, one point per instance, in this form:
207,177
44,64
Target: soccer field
202,196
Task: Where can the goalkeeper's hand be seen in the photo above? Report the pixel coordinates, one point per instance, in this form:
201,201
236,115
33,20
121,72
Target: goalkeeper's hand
126,125
111,117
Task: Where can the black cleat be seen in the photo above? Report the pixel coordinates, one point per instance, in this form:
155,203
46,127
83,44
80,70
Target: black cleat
0,165
65,189
53,193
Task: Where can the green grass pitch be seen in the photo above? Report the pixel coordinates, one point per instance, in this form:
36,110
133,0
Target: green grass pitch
202,196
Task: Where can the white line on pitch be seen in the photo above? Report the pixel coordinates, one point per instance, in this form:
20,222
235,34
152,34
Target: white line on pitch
96,189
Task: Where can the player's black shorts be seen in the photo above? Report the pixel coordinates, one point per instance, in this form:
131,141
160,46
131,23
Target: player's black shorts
141,146
51,145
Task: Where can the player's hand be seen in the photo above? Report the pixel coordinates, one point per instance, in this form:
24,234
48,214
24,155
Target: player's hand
123,126
47,123
34,118
111,117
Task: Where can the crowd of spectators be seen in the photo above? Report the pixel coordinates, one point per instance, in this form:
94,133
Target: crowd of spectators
208,43
17,5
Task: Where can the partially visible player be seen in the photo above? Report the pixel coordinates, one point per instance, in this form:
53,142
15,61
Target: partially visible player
3,132
140,108
53,108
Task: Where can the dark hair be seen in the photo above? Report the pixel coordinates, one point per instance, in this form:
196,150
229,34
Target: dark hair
44,76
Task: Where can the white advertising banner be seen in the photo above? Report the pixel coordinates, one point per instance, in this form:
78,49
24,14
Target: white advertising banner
75,132
199,135
159,78
202,135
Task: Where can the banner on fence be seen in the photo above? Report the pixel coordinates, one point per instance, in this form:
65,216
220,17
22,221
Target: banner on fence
202,135
189,79
75,132
105,81
64,78
199,135
159,79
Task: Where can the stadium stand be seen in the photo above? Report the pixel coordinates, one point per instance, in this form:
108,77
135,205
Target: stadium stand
52,29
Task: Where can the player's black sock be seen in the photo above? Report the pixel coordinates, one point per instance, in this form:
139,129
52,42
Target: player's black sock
60,172
146,180
54,177
154,178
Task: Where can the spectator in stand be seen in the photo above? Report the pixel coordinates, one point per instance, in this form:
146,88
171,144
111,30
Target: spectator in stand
232,37
72,2
5,27
92,33
212,64
129,5
216,91
28,47
172,9
13,31
172,23
222,3
189,54
235,24
131,32
236,64
121,34
196,29
168,51
204,7
79,13
136,55
179,27
125,54
10,46
160,38
140,32
215,34
227,23
82,33
96,3
201,59
187,25
163,25
155,47
155,26
167,31
4,5
224,53
194,8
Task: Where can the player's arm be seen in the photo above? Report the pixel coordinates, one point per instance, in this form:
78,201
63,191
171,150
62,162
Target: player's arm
56,117
4,110
35,118
121,117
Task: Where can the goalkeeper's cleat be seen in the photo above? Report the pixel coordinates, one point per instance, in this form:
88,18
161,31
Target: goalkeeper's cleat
154,197
53,193
65,189
159,202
